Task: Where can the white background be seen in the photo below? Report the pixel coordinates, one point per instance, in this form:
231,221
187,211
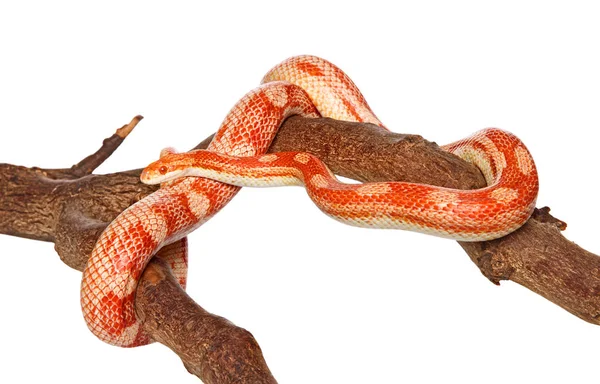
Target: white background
327,303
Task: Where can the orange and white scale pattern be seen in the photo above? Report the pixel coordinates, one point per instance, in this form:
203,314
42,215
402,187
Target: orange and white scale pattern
464,215
330,89
180,206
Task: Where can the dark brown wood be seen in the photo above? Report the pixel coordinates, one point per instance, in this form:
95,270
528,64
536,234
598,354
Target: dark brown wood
71,207
210,346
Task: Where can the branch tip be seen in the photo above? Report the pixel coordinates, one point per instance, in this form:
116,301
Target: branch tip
543,216
127,128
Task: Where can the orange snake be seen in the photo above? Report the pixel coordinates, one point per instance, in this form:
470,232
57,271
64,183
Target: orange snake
311,87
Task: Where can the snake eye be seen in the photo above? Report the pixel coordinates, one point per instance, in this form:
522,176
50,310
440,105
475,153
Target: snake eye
162,170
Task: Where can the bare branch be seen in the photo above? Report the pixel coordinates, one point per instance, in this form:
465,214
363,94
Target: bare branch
72,211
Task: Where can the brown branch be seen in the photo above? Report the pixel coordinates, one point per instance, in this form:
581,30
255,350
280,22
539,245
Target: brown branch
72,212
90,163
210,346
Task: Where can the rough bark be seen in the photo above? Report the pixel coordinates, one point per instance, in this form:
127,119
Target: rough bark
71,207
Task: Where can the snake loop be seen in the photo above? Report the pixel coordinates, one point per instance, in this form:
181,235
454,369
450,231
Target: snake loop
312,87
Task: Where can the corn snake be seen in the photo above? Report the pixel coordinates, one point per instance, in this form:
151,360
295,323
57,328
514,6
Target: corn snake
312,87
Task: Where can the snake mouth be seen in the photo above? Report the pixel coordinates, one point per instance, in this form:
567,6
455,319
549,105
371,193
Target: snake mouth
148,178
152,177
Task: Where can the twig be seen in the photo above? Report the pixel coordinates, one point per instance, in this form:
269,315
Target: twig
109,145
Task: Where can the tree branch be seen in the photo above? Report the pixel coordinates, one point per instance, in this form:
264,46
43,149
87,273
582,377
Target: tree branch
71,210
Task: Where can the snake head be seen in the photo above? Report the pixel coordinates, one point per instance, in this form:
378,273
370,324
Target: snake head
169,167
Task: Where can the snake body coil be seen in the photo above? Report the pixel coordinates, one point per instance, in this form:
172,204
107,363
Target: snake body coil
311,87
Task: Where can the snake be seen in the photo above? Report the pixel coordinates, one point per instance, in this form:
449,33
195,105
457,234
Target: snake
195,185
